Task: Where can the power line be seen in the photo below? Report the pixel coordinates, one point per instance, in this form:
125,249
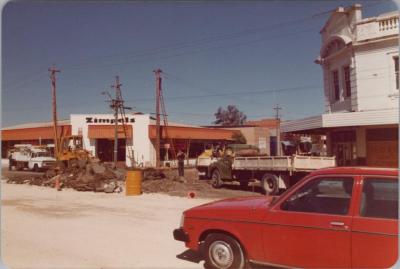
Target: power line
207,40
306,87
201,50
216,38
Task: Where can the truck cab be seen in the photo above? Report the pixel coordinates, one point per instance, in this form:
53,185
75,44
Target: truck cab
40,159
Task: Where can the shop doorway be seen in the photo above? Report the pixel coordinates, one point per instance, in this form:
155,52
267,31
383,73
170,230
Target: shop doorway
344,147
344,153
105,150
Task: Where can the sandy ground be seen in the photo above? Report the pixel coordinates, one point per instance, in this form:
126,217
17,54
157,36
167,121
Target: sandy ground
43,228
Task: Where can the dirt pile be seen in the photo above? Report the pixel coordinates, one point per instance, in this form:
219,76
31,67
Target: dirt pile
168,182
96,177
102,178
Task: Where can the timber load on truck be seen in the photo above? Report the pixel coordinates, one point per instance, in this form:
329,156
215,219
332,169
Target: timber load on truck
273,173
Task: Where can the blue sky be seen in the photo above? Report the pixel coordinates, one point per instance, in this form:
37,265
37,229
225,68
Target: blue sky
252,54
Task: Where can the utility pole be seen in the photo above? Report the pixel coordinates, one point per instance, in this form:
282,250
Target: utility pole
116,105
158,129
53,72
278,130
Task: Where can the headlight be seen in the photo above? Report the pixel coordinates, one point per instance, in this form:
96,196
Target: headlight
182,220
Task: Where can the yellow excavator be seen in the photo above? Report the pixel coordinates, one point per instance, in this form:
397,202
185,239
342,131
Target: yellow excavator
70,152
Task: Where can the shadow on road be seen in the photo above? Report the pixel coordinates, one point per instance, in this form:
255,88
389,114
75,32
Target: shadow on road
190,255
255,189
195,257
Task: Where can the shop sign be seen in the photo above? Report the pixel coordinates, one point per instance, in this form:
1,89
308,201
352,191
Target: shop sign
110,121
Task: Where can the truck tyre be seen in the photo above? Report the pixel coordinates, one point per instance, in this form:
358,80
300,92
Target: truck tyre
269,184
244,184
216,181
19,166
36,167
223,252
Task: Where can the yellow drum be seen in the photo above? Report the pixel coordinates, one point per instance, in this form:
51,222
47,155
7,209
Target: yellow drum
133,182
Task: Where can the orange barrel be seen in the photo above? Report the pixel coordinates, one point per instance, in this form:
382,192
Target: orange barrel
133,182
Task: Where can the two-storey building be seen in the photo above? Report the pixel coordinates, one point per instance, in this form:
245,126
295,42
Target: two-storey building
360,64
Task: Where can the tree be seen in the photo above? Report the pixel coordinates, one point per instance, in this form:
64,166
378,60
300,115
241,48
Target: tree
229,117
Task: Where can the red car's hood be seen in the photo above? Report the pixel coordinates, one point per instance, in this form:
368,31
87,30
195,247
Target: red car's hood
233,208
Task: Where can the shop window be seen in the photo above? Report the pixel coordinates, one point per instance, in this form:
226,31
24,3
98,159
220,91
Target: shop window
347,83
336,87
383,134
344,136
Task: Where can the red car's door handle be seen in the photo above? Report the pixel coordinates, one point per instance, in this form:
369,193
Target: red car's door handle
339,224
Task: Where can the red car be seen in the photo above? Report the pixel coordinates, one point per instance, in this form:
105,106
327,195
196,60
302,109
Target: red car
333,218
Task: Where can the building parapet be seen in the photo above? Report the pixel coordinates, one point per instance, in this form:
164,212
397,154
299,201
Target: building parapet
377,27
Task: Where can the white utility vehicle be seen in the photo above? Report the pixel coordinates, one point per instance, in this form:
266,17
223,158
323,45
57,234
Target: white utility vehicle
27,156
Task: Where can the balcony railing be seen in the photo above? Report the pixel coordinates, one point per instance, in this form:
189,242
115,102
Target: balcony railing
378,27
389,24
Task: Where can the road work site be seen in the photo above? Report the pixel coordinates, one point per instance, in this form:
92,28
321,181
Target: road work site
71,229
86,229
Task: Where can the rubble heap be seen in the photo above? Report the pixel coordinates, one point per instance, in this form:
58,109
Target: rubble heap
96,177
167,181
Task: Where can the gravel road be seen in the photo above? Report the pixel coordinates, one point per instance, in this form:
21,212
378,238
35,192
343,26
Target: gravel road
43,228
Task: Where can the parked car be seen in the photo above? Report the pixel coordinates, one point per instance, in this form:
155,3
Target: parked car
333,218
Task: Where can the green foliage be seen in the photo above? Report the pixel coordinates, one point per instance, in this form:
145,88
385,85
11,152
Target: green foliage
229,117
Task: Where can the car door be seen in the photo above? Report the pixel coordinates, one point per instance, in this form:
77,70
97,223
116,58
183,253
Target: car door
310,227
375,224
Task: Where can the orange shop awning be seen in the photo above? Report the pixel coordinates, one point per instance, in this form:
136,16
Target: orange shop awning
107,131
177,132
34,133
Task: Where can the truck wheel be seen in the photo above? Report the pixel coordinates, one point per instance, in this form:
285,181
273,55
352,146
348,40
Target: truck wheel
19,167
269,184
223,252
36,167
244,184
216,181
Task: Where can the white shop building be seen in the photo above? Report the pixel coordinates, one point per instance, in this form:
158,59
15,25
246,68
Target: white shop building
360,63
136,139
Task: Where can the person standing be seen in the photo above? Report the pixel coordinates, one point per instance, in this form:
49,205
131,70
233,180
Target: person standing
10,161
181,163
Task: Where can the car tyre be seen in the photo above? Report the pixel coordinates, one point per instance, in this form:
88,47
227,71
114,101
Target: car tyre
223,252
216,181
269,184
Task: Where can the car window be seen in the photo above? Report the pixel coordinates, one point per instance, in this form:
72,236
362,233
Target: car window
379,198
322,195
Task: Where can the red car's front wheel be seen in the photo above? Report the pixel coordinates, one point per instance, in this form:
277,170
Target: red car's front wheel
223,252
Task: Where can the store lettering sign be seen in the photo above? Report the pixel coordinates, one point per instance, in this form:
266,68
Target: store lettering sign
110,121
